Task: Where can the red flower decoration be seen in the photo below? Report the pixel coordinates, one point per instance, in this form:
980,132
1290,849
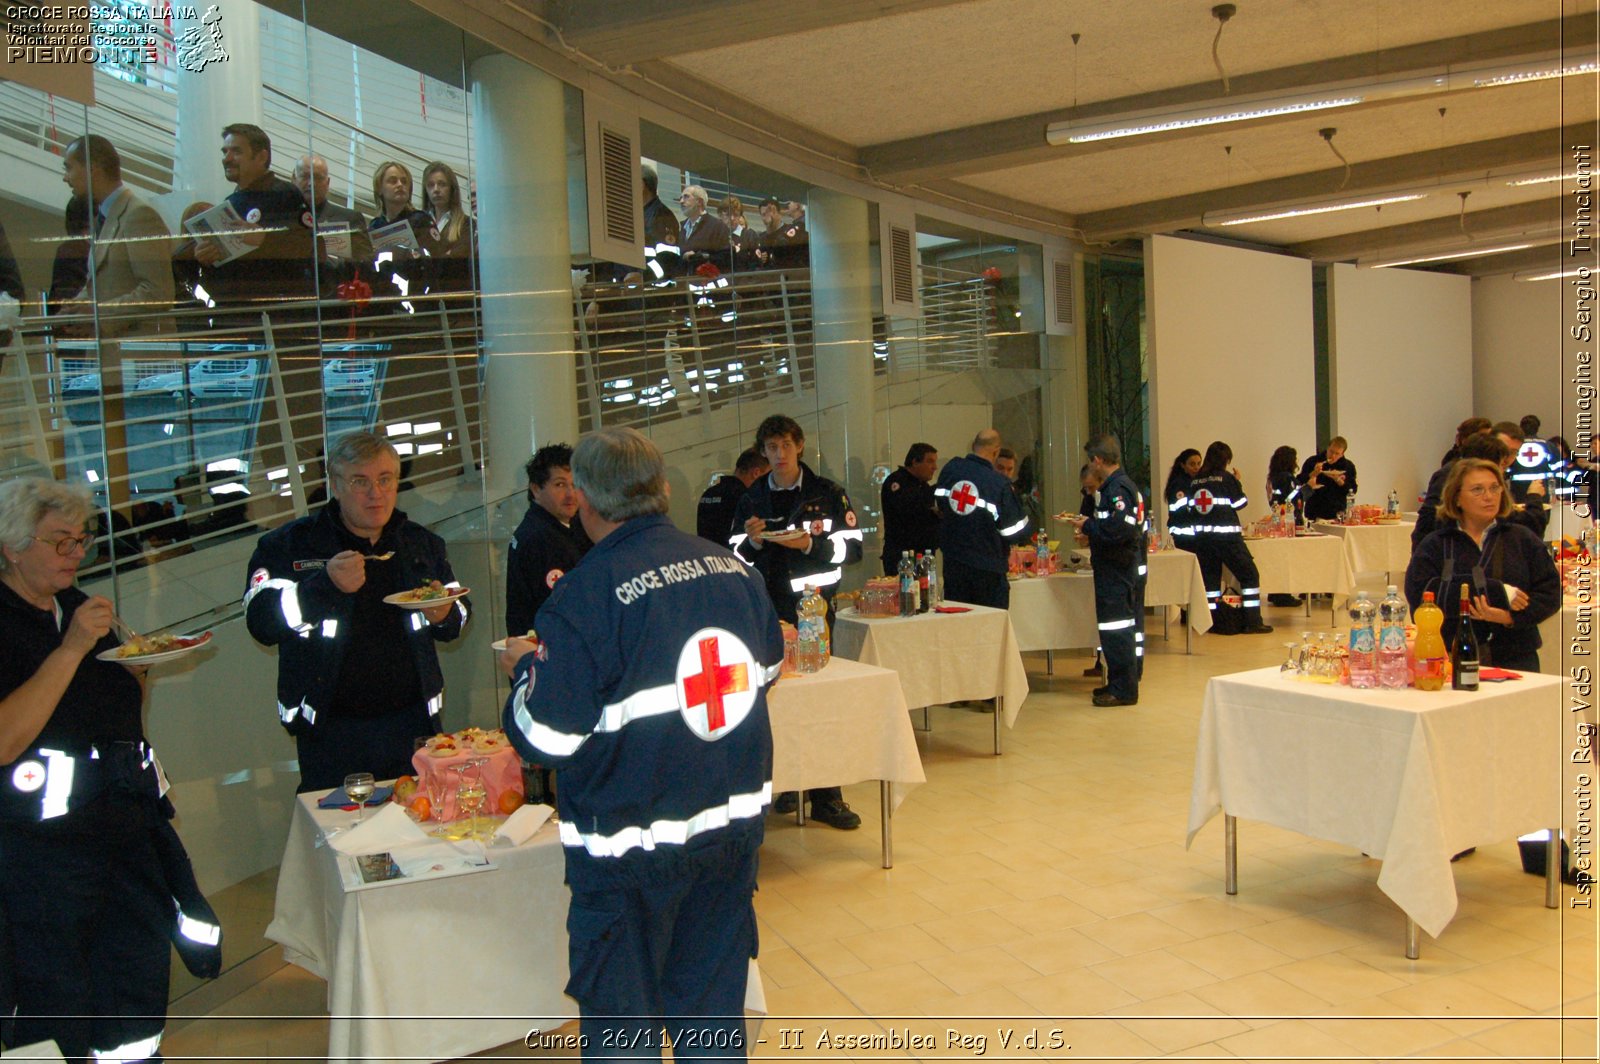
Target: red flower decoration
992,274
708,270
355,291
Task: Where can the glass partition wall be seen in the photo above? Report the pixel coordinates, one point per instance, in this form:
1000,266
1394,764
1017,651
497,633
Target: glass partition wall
198,407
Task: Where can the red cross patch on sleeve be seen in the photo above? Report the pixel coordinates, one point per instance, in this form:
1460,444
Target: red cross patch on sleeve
850,515
552,576
258,578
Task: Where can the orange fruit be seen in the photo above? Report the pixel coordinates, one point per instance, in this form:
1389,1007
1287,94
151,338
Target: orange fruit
421,806
511,801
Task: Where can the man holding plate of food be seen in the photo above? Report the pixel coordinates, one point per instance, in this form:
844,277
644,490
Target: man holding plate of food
340,592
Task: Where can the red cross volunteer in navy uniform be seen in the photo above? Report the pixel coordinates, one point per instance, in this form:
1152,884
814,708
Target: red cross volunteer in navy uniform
1216,499
647,692
980,517
94,882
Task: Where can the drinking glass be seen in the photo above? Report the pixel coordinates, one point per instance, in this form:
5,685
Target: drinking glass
359,787
471,794
1303,663
438,790
1291,663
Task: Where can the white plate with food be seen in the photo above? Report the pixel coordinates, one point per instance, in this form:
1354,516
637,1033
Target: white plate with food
500,644
150,649
426,598
785,535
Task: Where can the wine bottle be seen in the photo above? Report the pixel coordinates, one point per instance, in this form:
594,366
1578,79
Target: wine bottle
1464,647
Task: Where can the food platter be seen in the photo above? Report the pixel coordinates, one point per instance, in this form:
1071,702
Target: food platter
410,600
785,535
179,646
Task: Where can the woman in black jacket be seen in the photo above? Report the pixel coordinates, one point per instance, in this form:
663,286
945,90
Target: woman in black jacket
1184,467
1513,583
1215,499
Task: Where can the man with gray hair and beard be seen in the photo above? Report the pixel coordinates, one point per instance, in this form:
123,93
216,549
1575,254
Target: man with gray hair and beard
646,690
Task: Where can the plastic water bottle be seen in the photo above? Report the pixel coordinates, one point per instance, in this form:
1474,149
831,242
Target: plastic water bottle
935,589
908,584
812,651
1393,506
924,590
1392,668
1363,643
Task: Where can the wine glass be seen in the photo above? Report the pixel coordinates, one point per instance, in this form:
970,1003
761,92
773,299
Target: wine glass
1307,652
438,790
359,787
1291,663
471,794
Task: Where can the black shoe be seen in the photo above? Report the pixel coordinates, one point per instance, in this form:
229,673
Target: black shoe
787,802
1105,689
1257,629
1278,599
1108,700
835,814
1092,670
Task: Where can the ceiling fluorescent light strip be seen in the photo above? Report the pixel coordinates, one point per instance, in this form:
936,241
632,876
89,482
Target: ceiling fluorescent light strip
1064,133
1552,275
1543,179
1554,69
1470,253
1301,210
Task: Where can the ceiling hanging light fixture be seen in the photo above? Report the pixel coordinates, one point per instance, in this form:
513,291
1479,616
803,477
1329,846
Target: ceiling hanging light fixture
1454,78
1305,208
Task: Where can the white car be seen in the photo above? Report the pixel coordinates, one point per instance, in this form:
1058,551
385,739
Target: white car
349,376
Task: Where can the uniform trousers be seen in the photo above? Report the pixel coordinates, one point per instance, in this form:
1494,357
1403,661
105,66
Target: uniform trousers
981,587
338,746
88,918
1119,615
1215,551
671,954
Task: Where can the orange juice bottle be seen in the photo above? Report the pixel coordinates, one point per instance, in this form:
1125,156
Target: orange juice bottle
1430,652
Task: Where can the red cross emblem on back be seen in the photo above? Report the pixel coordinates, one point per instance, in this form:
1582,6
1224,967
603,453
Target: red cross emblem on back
1530,455
964,497
1203,500
713,681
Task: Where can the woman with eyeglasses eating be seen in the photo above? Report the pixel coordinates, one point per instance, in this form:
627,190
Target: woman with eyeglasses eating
1514,584
90,867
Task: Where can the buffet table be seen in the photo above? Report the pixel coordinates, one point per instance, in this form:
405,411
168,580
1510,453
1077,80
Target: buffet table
842,725
1380,548
501,968
1409,777
942,657
1057,611
1307,564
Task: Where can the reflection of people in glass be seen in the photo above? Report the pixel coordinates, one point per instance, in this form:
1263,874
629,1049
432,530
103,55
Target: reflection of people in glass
705,237
358,678
279,264
344,248
742,239
91,864
69,273
397,249
661,230
130,247
453,238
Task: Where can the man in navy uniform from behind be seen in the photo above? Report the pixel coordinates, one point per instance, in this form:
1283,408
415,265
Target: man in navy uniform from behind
910,512
979,518
818,537
1116,532
358,678
648,692
714,514
548,542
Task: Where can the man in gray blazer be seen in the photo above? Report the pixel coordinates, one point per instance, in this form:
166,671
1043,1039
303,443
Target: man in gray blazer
130,275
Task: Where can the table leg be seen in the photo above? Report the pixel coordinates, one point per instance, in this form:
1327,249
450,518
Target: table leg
1552,870
999,711
1413,940
800,809
927,721
886,801
1230,853
1049,662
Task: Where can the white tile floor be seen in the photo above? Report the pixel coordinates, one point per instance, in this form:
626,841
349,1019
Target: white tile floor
1049,888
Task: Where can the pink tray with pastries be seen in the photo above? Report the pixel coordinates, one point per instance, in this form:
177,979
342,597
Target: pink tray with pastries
502,771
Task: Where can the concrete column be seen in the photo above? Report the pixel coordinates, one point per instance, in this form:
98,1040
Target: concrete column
221,92
841,296
530,377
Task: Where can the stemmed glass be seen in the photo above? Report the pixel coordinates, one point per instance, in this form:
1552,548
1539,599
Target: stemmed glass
438,790
471,793
1307,655
359,787
1291,663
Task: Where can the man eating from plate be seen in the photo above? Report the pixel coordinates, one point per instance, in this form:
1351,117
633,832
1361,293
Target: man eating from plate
358,676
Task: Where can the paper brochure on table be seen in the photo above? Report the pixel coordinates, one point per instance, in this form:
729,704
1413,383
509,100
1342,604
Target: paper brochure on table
435,859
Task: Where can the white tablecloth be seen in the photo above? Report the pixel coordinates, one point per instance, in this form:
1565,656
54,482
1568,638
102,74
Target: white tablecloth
1384,548
1559,635
1314,564
1411,777
941,657
1056,612
842,725
1566,521
491,944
